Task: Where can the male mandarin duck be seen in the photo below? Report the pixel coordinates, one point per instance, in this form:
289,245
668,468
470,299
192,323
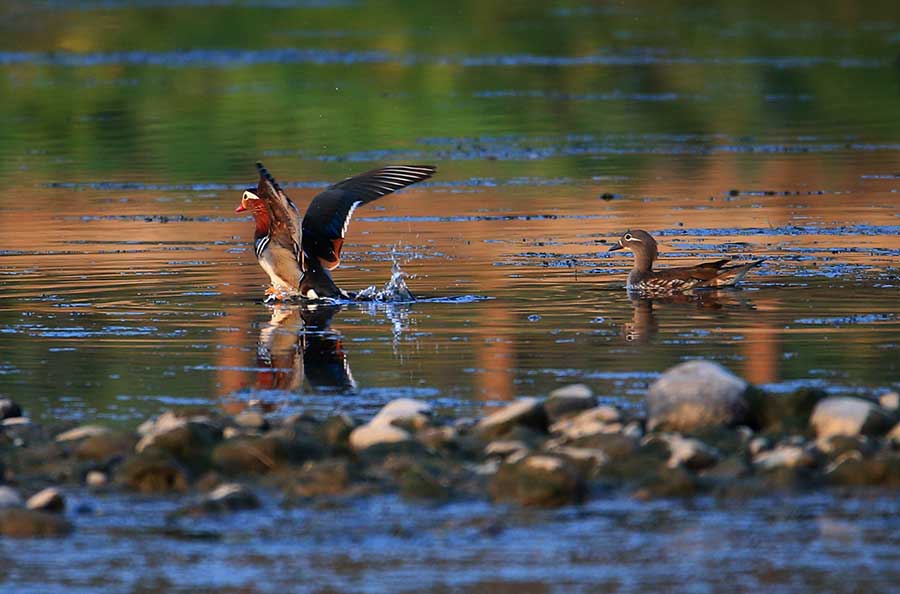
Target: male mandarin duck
299,256
643,279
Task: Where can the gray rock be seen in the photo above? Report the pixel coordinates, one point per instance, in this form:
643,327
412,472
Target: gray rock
49,500
9,409
526,412
9,497
695,395
845,415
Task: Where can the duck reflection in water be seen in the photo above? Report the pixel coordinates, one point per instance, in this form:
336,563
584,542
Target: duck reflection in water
644,325
298,344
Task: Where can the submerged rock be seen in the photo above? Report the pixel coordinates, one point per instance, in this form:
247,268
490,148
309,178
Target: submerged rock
49,499
526,412
694,395
27,523
846,415
226,498
538,480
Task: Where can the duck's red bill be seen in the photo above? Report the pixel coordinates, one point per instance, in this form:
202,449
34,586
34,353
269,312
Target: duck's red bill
240,208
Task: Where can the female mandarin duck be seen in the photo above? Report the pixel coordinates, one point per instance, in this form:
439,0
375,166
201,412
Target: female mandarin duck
642,279
299,257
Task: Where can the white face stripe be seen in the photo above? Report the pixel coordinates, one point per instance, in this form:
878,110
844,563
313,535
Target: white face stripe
248,195
349,216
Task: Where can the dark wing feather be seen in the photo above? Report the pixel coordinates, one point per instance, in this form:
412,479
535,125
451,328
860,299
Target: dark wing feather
284,227
328,215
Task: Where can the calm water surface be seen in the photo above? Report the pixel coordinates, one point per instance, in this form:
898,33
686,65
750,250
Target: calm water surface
128,130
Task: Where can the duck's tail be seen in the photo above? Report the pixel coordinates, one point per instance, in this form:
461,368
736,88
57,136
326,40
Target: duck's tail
731,275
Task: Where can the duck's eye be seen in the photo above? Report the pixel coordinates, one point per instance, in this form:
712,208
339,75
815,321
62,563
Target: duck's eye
628,237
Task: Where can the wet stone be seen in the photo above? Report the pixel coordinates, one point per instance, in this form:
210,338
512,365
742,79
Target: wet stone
781,413
538,480
227,497
407,413
9,409
616,446
372,434
502,448
95,478
321,478
894,435
153,471
49,500
82,432
601,419
253,455
668,482
105,445
568,400
27,523
694,395
251,419
419,481
9,497
527,412
188,441
684,451
438,438
784,457
335,432
846,415
851,469
890,401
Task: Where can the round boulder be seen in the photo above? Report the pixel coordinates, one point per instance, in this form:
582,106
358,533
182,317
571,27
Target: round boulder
695,395
846,415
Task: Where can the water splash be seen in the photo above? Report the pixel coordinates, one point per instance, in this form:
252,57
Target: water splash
394,291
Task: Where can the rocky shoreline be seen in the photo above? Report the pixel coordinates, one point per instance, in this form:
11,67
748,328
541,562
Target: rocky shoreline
702,431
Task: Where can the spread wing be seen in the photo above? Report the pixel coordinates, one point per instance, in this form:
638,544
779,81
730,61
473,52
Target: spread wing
284,226
328,215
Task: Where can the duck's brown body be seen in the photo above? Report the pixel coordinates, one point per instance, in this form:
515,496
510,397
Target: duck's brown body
643,279
299,256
